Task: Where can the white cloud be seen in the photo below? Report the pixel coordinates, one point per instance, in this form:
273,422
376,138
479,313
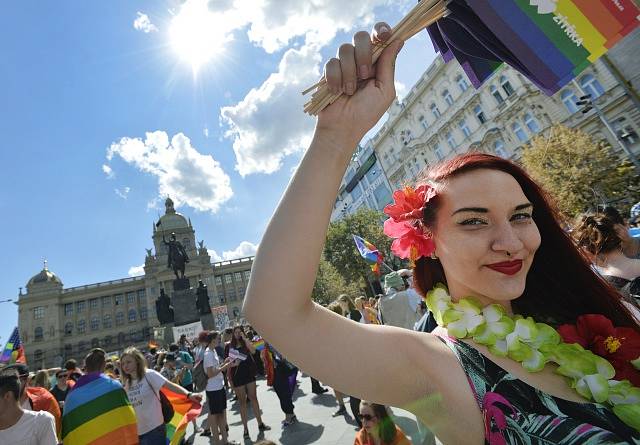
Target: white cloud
123,192
183,173
205,132
136,271
108,171
244,249
143,23
401,90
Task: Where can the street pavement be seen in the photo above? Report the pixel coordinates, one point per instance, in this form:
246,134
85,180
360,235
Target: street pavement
314,412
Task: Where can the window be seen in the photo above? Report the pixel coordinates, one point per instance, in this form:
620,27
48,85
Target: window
436,112
423,122
531,123
106,321
68,328
68,350
38,355
356,193
132,315
480,114
238,277
236,311
135,335
80,307
506,86
121,338
95,323
38,335
142,296
438,151
228,278
68,309
119,318
247,275
450,141
569,100
218,280
38,312
405,136
462,83
106,301
496,95
590,85
382,195
119,299
463,127
82,346
447,97
95,343
131,298
498,147
107,340
519,132
81,327
93,303
143,313
625,131
231,294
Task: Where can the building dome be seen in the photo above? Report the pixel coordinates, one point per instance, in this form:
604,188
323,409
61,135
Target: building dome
171,219
45,276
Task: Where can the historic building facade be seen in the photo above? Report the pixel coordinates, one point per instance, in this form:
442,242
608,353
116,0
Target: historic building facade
58,323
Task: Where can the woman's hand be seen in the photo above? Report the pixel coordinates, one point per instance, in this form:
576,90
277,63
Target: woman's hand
368,89
195,397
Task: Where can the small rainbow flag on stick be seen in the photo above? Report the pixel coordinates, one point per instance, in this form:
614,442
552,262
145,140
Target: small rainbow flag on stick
184,411
13,350
258,343
370,253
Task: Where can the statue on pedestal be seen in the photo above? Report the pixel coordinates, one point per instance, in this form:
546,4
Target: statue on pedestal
164,310
177,257
202,300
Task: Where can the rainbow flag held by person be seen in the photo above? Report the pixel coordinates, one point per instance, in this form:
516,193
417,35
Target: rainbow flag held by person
370,253
13,350
97,411
258,343
548,41
184,411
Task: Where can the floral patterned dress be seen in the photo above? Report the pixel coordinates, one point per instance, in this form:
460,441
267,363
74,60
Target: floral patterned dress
517,413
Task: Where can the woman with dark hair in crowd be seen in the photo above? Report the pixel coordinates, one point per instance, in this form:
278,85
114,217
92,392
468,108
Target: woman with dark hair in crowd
283,370
630,245
243,377
480,226
378,428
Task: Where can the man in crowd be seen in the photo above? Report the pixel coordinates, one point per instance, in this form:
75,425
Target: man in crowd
60,389
18,425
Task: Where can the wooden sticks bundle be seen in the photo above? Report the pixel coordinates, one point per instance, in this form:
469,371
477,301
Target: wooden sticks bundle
422,15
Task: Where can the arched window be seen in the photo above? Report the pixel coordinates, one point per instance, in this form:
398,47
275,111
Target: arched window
519,132
95,323
38,334
436,112
498,147
106,321
81,327
569,100
531,123
132,315
496,95
119,318
464,128
590,85
143,313
447,97
38,356
477,110
506,86
68,328
95,343
423,122
462,83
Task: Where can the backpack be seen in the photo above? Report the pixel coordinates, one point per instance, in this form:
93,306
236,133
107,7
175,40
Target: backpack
199,377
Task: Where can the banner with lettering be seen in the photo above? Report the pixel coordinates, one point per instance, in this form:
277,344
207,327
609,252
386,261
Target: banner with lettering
191,330
221,317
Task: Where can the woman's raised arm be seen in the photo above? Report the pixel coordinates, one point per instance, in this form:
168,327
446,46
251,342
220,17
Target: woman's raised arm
379,363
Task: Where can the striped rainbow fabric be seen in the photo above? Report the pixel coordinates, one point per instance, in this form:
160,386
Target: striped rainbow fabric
97,412
184,411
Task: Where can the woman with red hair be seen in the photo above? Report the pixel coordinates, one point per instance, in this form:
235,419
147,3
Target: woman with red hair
495,266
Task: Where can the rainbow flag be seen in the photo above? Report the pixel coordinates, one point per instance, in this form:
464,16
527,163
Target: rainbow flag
548,41
184,411
258,343
97,412
13,350
369,252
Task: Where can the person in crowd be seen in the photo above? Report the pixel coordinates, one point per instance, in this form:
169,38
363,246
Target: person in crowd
150,357
60,389
378,428
216,394
41,379
98,410
283,370
143,387
19,426
598,236
183,344
630,245
367,314
169,370
110,370
185,361
348,307
201,346
73,372
479,225
398,307
243,377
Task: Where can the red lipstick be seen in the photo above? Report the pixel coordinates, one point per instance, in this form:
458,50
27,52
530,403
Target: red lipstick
507,267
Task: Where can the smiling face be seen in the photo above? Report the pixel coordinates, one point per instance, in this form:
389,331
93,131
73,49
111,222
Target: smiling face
128,364
485,236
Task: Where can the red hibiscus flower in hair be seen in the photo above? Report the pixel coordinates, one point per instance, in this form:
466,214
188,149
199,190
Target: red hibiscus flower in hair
618,345
409,203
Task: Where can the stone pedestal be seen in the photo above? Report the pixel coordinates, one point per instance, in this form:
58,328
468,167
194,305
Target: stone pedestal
184,306
207,322
181,284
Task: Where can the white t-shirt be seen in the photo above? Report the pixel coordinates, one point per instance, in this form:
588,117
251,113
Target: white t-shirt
211,360
145,400
33,428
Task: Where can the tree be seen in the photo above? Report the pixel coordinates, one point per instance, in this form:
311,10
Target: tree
578,172
330,283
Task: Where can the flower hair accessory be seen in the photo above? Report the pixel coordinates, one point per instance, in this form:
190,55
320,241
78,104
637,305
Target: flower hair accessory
405,223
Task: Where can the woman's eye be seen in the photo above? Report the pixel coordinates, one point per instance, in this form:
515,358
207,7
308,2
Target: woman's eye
521,217
472,222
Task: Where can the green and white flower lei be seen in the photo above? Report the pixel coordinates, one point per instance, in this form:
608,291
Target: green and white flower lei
534,345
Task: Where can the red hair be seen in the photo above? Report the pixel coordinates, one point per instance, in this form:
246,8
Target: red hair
561,285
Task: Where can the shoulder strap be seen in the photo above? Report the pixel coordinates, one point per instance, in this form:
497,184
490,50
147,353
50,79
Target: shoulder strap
152,388
473,365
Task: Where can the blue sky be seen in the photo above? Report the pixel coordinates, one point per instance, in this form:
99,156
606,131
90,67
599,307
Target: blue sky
82,86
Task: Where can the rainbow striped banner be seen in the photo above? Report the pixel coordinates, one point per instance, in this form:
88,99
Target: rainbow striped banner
369,252
97,412
13,351
184,411
258,343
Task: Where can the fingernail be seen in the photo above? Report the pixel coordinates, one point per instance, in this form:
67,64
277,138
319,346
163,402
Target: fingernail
348,88
364,71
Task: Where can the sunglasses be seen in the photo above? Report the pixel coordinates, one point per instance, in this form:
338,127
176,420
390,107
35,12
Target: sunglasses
366,417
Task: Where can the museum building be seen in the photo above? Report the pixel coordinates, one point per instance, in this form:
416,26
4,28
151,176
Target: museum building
58,323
